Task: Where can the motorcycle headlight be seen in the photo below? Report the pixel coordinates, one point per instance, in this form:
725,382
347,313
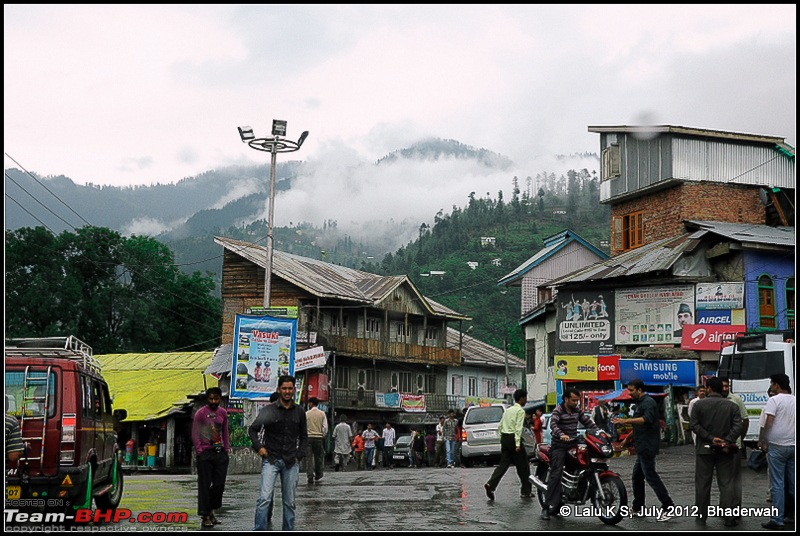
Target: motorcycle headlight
607,450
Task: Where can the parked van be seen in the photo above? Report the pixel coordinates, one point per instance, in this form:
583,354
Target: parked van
55,388
480,440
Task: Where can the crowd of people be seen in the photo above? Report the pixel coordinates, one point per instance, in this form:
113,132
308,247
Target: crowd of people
284,433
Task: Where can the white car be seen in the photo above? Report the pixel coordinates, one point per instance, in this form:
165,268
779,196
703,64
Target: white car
479,438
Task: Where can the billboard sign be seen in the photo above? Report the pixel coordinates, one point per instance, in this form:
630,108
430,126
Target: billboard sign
584,323
712,296
653,315
263,350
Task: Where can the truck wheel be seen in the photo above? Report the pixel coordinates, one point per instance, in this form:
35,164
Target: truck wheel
111,499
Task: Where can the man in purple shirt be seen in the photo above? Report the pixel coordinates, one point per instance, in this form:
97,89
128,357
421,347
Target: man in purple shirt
212,445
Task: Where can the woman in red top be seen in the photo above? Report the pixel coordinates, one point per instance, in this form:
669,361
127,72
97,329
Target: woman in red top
537,425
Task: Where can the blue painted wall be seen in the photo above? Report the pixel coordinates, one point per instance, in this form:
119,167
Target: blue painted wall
779,268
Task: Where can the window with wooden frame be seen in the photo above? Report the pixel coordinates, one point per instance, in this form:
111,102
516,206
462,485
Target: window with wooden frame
790,303
530,356
610,159
338,325
373,330
406,382
766,302
473,386
627,232
489,387
432,334
457,385
551,348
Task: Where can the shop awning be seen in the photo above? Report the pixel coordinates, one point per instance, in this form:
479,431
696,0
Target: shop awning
151,386
623,394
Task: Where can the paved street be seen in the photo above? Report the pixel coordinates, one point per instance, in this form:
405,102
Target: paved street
429,500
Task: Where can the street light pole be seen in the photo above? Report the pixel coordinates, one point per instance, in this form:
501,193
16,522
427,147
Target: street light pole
273,146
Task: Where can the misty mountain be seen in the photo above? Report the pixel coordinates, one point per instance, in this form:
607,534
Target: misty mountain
231,196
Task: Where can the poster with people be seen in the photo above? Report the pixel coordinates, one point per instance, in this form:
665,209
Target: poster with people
653,315
584,323
263,350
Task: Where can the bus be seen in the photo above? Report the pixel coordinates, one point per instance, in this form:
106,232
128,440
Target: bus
748,364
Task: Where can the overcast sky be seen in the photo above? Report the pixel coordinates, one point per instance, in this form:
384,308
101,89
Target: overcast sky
134,94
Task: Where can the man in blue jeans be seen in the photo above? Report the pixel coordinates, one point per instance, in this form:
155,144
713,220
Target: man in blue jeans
777,437
285,438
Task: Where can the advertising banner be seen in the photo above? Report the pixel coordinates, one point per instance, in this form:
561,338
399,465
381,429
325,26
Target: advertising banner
710,336
311,358
387,400
607,368
575,367
712,296
653,315
413,403
675,372
263,350
584,323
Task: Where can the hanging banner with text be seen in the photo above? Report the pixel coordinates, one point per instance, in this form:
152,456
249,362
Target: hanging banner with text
311,358
711,296
263,350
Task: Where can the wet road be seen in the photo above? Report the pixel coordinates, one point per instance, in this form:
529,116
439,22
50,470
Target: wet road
430,500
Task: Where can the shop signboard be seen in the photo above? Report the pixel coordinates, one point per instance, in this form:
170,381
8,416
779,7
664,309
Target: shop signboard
710,336
675,372
713,296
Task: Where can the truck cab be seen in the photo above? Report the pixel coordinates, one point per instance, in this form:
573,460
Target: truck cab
55,388
748,364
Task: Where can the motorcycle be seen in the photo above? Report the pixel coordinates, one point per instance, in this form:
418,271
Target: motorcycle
586,477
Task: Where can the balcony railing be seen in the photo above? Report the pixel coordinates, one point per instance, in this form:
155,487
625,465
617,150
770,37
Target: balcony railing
393,351
363,399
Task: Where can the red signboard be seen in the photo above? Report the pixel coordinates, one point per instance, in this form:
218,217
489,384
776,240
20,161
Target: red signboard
607,367
709,336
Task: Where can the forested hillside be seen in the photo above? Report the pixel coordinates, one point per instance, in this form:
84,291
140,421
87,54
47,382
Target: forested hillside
519,225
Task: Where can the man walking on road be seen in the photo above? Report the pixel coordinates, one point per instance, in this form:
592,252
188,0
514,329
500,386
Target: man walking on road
342,441
646,439
317,430
212,445
285,439
778,439
511,448
388,446
449,432
716,423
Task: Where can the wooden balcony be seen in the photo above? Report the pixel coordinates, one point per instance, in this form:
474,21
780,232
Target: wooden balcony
361,399
393,351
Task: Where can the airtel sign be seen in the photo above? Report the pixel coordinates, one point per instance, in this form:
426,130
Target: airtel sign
709,336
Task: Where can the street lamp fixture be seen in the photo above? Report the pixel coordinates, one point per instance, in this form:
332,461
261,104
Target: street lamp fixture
273,145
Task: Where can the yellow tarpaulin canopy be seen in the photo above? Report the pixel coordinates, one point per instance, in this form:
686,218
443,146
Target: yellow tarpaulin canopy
149,386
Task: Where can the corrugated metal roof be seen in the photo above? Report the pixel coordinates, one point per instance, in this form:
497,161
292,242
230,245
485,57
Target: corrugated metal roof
689,131
552,245
478,353
748,233
662,255
332,281
151,386
658,256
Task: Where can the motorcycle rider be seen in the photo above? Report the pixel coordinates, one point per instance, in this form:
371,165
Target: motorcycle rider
563,431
